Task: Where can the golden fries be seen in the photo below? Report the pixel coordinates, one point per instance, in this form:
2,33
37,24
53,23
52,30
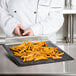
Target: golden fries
36,51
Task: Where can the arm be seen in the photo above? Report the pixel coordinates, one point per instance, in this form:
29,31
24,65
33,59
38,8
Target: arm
7,22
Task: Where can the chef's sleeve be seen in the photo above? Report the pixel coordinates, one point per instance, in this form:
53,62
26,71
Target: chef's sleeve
7,22
53,22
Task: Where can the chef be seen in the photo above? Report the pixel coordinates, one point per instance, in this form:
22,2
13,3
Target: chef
33,17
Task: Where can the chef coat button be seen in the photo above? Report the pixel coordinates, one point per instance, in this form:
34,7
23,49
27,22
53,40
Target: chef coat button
35,12
15,11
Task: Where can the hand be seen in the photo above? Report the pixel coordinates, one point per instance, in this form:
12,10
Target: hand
17,30
28,32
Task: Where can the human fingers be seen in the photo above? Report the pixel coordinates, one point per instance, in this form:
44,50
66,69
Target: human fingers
28,32
17,31
21,27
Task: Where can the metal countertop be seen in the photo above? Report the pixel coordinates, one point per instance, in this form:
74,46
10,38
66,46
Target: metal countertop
8,67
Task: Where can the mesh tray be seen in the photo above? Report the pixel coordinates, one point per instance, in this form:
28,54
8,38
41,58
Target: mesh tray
18,61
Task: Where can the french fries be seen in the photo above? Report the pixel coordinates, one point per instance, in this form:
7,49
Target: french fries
35,51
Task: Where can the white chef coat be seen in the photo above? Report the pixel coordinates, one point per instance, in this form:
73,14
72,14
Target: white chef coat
44,17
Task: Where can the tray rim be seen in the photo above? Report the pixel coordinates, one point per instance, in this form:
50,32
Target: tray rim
5,46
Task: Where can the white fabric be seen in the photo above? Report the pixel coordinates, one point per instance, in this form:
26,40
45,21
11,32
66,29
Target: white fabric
48,18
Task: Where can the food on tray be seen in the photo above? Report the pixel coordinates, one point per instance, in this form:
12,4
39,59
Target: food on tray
33,51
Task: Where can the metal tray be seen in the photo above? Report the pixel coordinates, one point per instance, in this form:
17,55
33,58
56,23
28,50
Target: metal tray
18,61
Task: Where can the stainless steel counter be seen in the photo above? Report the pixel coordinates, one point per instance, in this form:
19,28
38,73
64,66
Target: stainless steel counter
8,67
